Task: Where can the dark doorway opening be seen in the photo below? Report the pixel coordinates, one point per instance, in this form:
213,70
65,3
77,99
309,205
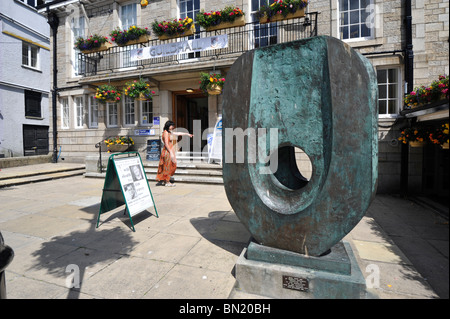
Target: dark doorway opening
35,140
187,109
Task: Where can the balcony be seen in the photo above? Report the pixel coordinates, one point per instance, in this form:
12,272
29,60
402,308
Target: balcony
240,39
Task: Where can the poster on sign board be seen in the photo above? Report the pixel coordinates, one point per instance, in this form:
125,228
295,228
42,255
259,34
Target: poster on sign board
215,150
126,184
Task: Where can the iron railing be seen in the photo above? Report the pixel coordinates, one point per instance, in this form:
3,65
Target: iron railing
240,39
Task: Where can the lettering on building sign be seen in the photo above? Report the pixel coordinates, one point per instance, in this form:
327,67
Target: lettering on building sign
295,283
189,46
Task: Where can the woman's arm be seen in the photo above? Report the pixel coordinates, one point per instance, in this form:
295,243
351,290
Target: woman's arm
181,134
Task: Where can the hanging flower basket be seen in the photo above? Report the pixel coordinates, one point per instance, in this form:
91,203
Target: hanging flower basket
229,17
417,143
133,35
440,136
214,89
416,136
282,10
174,29
139,90
211,84
107,94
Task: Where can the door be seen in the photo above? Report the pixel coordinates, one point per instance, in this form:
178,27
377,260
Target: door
190,108
35,140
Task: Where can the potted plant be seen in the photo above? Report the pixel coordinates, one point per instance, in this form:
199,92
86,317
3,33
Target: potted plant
118,143
133,35
139,90
282,10
173,29
216,20
107,94
416,136
440,136
93,43
211,84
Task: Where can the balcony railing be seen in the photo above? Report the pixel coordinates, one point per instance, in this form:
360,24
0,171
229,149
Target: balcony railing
240,39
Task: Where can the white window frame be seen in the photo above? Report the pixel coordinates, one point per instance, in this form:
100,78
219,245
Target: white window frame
125,54
127,25
184,57
108,115
28,63
93,112
65,113
78,107
271,29
371,6
129,102
76,32
148,114
398,91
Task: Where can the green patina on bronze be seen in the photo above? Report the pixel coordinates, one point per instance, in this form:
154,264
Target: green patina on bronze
321,95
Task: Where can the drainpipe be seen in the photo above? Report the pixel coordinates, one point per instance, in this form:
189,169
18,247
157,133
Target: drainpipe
53,21
409,77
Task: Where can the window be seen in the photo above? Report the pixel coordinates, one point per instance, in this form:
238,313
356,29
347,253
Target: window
30,54
33,104
33,3
65,113
79,112
128,15
389,91
93,112
78,25
146,112
265,34
128,18
129,111
354,16
189,8
111,114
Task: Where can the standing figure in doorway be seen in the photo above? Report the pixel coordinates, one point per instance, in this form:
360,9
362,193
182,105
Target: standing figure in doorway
168,160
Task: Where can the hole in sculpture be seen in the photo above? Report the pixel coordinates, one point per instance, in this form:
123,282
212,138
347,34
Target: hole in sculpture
294,167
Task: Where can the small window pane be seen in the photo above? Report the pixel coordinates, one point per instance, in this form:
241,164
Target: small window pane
344,32
354,31
382,91
354,17
382,107
24,53
34,54
381,76
392,106
354,4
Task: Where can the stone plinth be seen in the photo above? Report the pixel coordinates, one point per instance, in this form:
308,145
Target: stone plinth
282,274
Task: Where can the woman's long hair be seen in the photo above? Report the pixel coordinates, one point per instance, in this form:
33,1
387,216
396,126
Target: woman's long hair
167,125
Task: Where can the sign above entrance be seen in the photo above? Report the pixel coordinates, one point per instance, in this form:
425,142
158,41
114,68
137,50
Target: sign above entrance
188,46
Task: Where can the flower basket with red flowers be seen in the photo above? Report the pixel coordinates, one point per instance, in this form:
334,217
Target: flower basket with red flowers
133,35
93,43
282,10
228,17
107,94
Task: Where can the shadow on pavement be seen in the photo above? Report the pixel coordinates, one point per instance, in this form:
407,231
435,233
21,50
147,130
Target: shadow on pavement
74,257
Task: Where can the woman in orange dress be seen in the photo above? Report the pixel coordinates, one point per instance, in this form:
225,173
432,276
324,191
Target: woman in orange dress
168,160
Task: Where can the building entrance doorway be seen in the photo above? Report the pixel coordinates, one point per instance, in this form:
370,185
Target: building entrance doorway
188,108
